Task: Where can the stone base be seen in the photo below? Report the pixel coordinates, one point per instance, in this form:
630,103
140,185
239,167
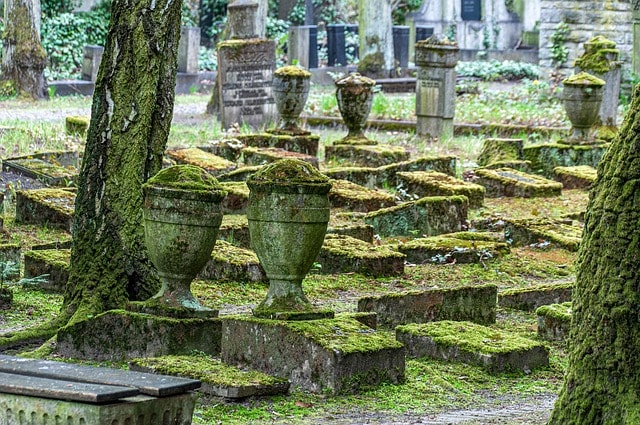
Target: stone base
435,127
52,262
214,164
429,183
554,321
529,299
512,183
559,233
119,335
261,156
304,144
544,158
473,303
447,250
333,355
578,177
365,155
229,262
237,198
524,166
51,207
361,231
353,197
474,344
344,254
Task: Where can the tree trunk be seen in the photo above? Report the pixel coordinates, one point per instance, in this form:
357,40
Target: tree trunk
130,120
602,384
23,58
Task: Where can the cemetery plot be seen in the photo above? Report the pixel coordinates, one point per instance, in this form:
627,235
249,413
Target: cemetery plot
543,231
51,207
353,197
210,162
431,183
261,156
229,262
554,321
41,170
51,262
510,182
577,177
365,155
529,299
448,249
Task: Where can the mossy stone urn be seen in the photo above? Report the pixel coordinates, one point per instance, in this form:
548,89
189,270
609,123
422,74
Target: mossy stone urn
581,97
288,213
182,215
354,94
290,92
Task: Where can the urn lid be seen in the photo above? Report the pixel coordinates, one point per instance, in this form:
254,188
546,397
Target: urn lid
583,79
355,79
292,71
289,176
185,181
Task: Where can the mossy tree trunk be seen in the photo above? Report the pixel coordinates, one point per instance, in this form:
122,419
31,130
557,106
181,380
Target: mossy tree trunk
130,120
23,58
602,385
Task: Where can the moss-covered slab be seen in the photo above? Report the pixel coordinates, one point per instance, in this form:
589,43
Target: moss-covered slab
52,262
229,262
240,174
237,197
344,254
428,216
49,173
544,158
512,183
262,156
516,164
361,231
214,164
51,207
304,144
10,253
228,148
466,342
338,355
554,321
217,378
385,176
235,230
530,298
69,159
120,335
353,197
473,303
500,150
447,249
562,233
577,177
365,155
432,183
76,125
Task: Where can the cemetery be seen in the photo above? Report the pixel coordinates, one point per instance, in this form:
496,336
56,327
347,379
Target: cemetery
359,222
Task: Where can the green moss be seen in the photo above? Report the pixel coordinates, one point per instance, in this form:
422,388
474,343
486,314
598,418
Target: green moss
202,159
38,166
475,236
349,247
236,188
595,57
583,79
371,64
292,71
228,253
355,192
537,288
499,150
438,40
289,174
234,221
561,312
58,258
184,178
59,200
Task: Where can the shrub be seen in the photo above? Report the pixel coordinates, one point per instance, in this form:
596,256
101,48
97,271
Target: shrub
496,70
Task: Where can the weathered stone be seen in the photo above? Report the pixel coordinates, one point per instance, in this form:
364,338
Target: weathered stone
188,50
240,174
237,197
500,150
333,355
473,303
51,207
261,156
229,149
375,29
91,62
194,156
304,144
52,262
120,335
229,262
529,299
447,250
577,177
353,197
47,172
544,158
431,183
364,232
344,254
365,155
560,233
520,165
554,321
491,349
511,183
235,230
427,216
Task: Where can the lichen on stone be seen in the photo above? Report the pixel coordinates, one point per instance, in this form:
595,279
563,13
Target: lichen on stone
583,79
184,178
287,175
292,71
595,57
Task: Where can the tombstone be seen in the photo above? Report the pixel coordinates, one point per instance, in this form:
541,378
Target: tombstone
336,45
188,50
436,87
401,45
376,38
417,33
245,70
471,10
303,46
91,62
636,37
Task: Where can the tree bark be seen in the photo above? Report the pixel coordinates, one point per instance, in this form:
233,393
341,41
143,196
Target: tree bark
602,383
130,120
23,57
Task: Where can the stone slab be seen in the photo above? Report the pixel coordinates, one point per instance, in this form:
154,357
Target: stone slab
471,303
120,335
214,164
557,232
576,177
499,150
365,155
507,182
554,321
46,172
530,298
364,232
329,355
447,250
232,263
228,148
51,262
353,197
432,183
307,145
240,174
466,342
51,207
344,254
235,230
237,197
262,156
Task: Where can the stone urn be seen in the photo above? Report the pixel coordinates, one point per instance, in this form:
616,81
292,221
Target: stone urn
182,215
581,97
290,92
288,213
355,96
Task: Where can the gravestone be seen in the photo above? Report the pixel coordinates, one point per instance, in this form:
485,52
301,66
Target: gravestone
188,50
303,46
401,45
471,10
376,38
91,62
336,49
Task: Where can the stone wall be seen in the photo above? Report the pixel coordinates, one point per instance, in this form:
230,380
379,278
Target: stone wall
586,19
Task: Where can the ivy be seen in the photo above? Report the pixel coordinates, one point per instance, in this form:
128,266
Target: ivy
560,52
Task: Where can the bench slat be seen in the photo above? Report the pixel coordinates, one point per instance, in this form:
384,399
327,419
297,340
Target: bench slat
62,390
146,383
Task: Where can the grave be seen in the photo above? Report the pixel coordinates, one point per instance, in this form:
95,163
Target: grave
466,342
427,216
345,254
232,263
194,156
235,230
512,183
300,143
547,156
448,249
562,233
218,379
77,126
554,321
51,262
576,177
499,152
352,197
51,207
333,356
431,183
472,303
365,155
261,156
237,197
39,169
240,174
228,148
357,230
530,298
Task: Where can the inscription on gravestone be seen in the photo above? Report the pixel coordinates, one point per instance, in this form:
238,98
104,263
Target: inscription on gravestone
471,10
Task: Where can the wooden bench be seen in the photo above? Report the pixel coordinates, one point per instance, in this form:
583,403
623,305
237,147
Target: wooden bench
39,392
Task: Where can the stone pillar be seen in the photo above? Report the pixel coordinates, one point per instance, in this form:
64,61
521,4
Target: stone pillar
336,45
401,45
303,46
376,38
435,88
636,37
91,62
242,19
188,50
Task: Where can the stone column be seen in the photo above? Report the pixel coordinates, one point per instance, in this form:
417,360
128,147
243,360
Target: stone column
435,88
376,38
188,50
91,62
303,46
